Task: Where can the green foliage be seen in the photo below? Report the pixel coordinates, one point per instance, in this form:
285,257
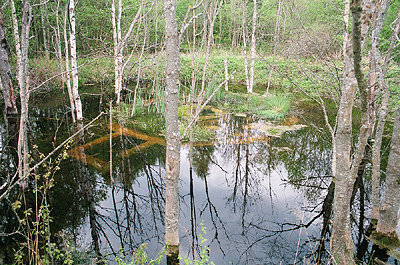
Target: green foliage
200,133
36,219
269,106
204,257
139,257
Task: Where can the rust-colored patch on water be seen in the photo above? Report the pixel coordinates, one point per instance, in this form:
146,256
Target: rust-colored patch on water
79,151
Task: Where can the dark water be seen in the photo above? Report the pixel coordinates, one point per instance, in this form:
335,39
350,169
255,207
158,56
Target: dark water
262,199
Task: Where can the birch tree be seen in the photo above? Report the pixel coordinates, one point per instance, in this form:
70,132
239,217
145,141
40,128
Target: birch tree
22,47
67,77
253,46
74,63
120,43
244,32
173,135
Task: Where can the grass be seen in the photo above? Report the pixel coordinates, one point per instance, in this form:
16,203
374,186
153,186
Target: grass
273,106
100,70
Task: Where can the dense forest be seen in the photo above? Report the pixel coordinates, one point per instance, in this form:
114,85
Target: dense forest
173,60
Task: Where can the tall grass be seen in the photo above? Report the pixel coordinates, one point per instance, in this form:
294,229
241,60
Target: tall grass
273,107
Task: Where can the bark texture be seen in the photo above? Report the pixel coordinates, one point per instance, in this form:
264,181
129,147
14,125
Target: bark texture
5,73
74,64
378,84
388,214
253,46
171,115
347,163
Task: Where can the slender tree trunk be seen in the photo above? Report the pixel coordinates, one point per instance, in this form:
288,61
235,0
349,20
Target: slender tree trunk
276,38
22,48
388,214
17,42
376,84
244,32
347,163
119,44
117,36
5,74
74,64
67,67
43,13
253,46
173,136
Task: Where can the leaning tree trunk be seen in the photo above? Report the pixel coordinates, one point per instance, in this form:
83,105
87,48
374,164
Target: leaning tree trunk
5,73
173,136
388,212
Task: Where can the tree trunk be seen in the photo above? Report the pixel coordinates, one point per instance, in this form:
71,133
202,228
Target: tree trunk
74,64
244,32
67,67
171,116
253,47
276,38
388,214
43,13
119,44
21,45
347,163
5,74
376,84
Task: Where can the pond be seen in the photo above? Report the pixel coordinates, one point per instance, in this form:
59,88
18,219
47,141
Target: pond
260,193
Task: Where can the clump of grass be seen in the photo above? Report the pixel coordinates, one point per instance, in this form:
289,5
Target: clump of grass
272,107
200,133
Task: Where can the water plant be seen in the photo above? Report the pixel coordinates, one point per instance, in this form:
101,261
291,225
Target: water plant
272,106
139,257
204,257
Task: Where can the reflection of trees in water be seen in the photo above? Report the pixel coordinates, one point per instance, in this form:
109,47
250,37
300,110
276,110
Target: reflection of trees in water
137,212
203,158
9,223
307,161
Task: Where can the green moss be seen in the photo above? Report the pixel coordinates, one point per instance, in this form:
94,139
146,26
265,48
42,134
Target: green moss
384,240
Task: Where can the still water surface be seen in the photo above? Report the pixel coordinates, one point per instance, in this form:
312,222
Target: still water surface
262,199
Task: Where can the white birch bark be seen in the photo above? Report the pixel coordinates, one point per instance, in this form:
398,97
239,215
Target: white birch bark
67,66
244,32
74,63
17,42
253,46
21,45
119,43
